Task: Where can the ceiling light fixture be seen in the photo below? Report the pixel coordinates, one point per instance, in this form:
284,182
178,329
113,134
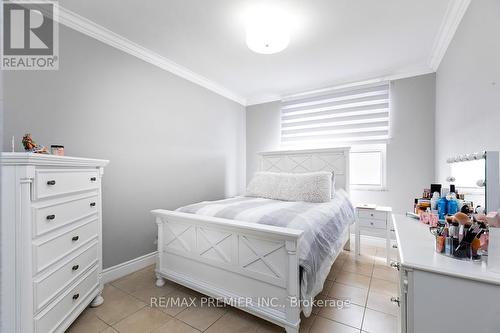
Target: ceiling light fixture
267,30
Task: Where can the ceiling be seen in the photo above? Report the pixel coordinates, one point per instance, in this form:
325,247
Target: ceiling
335,41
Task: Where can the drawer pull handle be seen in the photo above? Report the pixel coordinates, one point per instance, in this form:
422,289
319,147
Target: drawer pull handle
51,182
394,246
395,265
75,238
396,300
75,268
93,179
75,296
51,217
371,223
92,204
393,230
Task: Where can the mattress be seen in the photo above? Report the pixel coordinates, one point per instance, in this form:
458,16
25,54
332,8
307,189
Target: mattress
323,226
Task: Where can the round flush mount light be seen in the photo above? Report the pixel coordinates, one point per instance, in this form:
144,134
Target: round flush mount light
267,30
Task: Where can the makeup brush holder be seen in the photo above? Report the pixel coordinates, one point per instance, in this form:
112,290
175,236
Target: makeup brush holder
451,247
463,251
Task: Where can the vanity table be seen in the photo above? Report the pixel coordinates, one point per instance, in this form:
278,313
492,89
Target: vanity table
442,294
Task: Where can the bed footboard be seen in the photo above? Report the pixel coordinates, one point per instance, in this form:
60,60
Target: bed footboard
254,267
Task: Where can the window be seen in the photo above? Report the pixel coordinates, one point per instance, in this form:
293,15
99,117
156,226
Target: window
356,116
367,167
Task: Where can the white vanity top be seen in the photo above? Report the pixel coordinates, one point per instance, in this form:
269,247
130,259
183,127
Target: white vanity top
416,250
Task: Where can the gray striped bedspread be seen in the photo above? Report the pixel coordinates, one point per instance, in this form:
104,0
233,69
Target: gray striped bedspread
323,225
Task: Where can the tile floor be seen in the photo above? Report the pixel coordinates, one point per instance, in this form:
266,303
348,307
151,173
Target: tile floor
368,283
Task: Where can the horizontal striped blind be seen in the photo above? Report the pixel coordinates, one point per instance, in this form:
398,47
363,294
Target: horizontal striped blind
354,115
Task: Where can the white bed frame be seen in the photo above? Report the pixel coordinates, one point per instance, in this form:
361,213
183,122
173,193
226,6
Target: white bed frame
244,264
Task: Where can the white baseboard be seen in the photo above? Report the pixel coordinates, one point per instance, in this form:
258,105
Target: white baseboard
115,272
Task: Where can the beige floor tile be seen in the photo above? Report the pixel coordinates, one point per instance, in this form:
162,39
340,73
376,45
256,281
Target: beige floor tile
271,328
131,283
384,287
385,273
323,325
345,292
333,273
152,294
175,302
382,303
362,268
145,320
351,315
234,321
201,316
362,258
117,305
87,322
353,279
176,326
378,322
110,330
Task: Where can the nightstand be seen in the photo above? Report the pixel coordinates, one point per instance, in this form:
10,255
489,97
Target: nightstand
374,221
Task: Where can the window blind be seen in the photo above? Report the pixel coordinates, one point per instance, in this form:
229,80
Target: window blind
354,115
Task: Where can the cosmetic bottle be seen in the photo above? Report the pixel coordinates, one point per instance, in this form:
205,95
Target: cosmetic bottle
452,204
442,207
434,201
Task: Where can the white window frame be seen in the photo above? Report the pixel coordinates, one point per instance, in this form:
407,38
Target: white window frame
382,148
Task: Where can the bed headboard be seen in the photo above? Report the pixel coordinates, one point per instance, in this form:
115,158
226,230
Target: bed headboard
331,159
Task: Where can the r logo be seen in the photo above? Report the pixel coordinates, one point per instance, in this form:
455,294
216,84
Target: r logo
28,31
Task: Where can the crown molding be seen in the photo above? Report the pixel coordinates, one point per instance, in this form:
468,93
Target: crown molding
263,99
90,28
454,14
396,75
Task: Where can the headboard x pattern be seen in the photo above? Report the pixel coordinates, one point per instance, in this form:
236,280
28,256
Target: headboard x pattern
299,161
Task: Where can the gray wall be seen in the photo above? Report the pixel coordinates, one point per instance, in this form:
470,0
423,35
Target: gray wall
410,153
468,87
170,142
262,132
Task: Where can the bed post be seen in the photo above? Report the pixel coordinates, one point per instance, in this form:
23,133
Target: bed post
293,306
160,281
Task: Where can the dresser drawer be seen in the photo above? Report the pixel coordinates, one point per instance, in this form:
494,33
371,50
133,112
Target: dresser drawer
48,252
371,223
58,214
52,182
50,320
372,214
47,287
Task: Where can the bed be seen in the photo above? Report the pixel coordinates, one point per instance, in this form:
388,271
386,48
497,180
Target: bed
258,254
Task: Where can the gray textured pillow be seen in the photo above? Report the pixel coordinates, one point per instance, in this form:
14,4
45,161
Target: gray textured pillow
309,187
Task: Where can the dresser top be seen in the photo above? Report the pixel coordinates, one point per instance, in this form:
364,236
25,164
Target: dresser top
416,250
49,160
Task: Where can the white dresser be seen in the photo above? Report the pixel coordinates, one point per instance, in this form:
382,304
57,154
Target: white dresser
50,240
441,294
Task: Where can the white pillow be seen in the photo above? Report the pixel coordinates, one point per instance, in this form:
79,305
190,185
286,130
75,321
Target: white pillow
309,187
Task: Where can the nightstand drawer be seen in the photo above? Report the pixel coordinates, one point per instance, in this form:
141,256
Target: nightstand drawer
372,214
371,223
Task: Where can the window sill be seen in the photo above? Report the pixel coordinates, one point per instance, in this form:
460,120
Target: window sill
369,188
